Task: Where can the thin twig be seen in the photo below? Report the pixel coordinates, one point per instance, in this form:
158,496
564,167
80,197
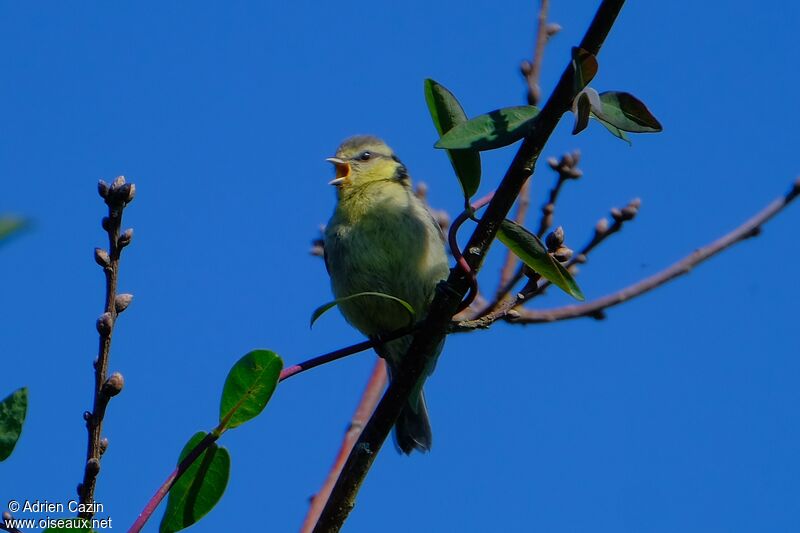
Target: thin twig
450,294
7,518
116,196
532,72
602,231
369,399
596,308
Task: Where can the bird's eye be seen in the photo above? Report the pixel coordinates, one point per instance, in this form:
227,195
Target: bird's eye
365,156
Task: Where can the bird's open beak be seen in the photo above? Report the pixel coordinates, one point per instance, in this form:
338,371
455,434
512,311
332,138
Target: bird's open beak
342,171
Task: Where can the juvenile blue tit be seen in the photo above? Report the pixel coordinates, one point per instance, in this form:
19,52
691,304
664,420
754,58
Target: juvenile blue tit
382,238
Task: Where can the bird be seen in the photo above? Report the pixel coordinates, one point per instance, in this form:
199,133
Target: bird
382,238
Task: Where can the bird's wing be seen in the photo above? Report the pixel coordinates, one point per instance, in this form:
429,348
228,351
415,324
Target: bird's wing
325,257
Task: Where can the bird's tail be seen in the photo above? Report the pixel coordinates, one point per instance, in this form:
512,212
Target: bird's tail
413,428
412,431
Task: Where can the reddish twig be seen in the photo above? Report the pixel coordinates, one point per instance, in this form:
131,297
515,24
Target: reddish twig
372,393
456,250
287,372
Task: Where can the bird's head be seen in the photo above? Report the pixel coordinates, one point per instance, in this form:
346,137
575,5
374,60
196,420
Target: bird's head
364,159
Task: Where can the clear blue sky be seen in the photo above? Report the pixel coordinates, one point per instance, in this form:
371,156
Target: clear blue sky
681,412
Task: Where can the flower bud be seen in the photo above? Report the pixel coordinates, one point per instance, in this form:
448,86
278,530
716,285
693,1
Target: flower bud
601,227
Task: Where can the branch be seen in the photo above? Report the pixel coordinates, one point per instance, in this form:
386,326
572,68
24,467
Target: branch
596,308
116,196
532,72
372,393
7,518
449,294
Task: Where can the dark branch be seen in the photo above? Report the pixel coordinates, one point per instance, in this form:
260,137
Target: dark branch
116,196
450,294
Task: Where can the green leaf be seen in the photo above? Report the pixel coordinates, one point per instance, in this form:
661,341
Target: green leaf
199,489
10,225
582,114
447,113
533,253
12,415
70,525
626,112
615,131
322,309
584,69
248,387
492,130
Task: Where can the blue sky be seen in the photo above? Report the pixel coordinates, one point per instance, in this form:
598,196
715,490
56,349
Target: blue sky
677,413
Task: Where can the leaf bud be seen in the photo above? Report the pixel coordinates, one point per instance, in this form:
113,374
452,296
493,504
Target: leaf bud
118,182
122,301
102,188
601,227
616,214
552,28
113,384
101,258
106,223
131,193
555,239
104,324
93,466
553,162
629,212
103,445
125,239
562,254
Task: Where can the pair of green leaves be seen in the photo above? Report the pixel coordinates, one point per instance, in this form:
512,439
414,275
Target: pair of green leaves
12,415
464,138
617,111
247,390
